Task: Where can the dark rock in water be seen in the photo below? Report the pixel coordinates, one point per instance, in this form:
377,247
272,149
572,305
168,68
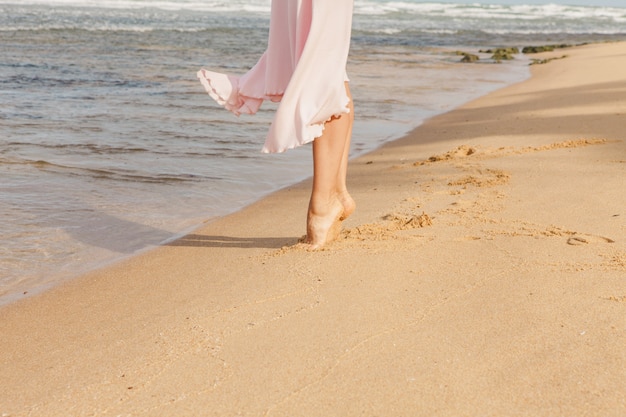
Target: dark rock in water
504,54
544,48
467,57
510,51
501,56
545,61
537,49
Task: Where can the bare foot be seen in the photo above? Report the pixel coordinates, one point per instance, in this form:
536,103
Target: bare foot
348,205
324,226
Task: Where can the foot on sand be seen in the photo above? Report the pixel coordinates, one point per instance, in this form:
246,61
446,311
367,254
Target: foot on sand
348,205
323,226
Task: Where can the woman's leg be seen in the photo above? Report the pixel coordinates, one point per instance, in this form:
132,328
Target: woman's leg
330,201
346,199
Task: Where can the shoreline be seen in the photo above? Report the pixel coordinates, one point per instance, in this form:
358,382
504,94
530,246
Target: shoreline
485,242
120,237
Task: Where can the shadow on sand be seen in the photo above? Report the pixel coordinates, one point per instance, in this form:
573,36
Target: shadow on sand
203,241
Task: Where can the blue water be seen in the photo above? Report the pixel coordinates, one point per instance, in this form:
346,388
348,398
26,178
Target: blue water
109,145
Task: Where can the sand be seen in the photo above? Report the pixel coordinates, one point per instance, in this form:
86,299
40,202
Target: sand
483,274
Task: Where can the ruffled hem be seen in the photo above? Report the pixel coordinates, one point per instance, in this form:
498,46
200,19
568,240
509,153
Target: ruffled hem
308,75
224,89
311,132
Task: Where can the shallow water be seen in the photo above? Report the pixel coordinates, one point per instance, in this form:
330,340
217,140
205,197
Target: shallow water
109,145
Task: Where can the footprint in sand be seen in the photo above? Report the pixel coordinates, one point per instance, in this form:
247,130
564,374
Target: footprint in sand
406,222
460,152
483,178
578,239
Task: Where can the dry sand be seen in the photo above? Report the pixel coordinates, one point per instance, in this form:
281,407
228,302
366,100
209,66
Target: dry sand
483,274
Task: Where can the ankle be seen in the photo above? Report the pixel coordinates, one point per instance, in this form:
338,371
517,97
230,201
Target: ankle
322,206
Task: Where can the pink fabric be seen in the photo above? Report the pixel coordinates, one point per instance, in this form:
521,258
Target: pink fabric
304,67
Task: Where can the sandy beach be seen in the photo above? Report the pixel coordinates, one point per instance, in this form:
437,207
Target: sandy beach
483,274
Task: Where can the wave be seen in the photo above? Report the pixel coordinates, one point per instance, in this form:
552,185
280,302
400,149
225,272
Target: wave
208,5
378,16
365,7
106,174
488,11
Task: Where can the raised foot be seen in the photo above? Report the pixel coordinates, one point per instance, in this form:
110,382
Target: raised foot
325,227
348,205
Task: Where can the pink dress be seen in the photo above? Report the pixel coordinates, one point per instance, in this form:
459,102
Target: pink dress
304,67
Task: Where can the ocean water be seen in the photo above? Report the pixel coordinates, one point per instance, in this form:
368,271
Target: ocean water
109,145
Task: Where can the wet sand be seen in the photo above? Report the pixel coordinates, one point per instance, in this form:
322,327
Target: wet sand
483,273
